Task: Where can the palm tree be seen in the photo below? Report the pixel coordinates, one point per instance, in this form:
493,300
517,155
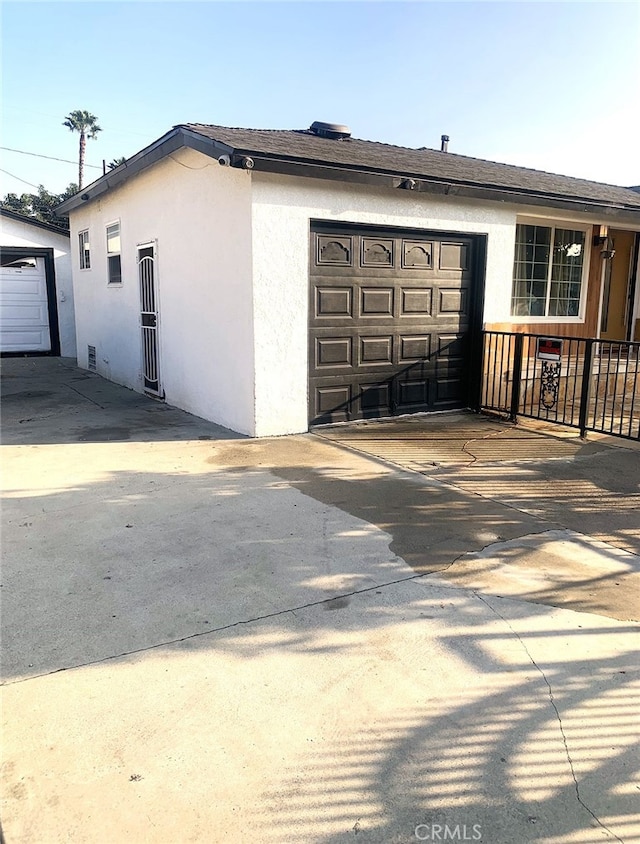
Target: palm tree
116,162
86,124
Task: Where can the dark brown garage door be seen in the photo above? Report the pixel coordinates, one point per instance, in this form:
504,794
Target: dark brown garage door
389,323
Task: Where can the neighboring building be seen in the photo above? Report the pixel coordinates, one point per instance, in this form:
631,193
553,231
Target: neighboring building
267,280
36,290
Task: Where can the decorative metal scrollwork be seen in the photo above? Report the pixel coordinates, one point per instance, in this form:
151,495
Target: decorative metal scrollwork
549,384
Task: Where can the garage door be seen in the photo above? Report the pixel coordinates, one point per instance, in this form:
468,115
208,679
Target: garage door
24,312
390,317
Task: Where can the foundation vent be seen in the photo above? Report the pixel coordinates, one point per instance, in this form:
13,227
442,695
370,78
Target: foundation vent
91,358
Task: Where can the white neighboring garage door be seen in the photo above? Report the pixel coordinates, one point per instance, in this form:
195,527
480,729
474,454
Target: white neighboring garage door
24,311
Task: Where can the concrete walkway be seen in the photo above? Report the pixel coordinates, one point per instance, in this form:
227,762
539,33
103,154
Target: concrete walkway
214,639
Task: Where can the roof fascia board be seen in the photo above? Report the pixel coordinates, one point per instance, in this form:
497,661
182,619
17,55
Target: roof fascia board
310,170
32,221
174,140
422,185
207,146
145,158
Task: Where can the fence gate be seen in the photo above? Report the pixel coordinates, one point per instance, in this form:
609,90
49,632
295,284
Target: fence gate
149,319
590,384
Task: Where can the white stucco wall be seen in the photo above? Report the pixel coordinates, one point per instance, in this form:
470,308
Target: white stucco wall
198,214
17,233
282,212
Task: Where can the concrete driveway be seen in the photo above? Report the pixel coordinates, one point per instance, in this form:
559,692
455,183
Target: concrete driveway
388,632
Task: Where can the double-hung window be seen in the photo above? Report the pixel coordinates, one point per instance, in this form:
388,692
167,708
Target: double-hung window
85,254
548,270
113,254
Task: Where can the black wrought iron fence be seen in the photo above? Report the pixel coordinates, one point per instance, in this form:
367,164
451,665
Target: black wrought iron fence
593,385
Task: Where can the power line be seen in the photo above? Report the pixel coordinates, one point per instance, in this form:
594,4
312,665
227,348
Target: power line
50,157
19,179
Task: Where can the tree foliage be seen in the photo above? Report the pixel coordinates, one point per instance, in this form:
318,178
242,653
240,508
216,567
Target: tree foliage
40,205
86,124
83,122
116,162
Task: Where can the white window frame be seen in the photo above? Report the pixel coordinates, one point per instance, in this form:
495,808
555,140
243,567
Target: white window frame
114,253
84,245
555,223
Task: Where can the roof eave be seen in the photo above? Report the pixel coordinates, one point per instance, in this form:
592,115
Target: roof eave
181,136
423,184
172,141
33,221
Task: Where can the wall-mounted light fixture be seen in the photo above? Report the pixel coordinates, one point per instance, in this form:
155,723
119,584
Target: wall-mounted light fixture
602,238
600,234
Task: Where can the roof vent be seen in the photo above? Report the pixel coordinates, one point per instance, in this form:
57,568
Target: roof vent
330,130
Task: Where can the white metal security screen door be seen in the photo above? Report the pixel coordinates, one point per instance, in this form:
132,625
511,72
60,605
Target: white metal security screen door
149,319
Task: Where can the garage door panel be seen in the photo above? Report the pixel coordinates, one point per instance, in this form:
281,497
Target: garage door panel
413,396
16,286
416,301
377,252
414,347
453,257
334,302
375,399
334,250
448,391
333,352
376,351
451,347
417,255
333,403
389,323
23,313
25,340
376,302
453,301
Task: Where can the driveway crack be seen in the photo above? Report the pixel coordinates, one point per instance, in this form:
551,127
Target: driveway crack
88,398
474,457
222,628
558,717
289,610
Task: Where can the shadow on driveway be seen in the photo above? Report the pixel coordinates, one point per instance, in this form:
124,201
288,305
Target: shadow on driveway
48,400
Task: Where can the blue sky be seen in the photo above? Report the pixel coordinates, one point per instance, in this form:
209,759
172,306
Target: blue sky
555,86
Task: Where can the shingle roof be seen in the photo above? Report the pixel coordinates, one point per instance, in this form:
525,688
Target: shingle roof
305,146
